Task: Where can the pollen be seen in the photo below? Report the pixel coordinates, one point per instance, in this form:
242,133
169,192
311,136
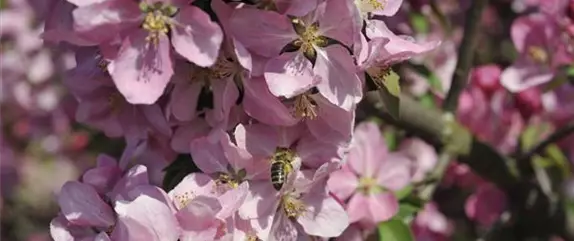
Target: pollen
251,237
293,207
224,68
309,38
184,199
305,107
368,185
367,6
156,23
227,180
538,54
379,74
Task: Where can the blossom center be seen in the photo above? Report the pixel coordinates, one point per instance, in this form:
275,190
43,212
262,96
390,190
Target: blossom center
183,199
309,38
157,20
305,106
367,6
538,54
292,206
368,185
231,179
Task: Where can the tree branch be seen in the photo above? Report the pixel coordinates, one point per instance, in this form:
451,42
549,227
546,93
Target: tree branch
465,55
559,134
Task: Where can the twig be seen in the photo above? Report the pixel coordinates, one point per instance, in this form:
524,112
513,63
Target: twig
559,134
465,55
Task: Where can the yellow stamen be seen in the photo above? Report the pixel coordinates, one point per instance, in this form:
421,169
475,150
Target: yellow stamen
293,207
305,107
538,54
184,199
368,6
156,24
368,185
309,38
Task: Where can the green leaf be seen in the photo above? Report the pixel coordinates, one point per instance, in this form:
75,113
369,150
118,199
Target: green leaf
559,160
532,134
419,23
435,82
390,136
390,94
406,212
405,192
394,230
427,100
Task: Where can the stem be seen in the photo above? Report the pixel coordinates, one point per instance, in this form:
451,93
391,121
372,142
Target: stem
465,55
559,134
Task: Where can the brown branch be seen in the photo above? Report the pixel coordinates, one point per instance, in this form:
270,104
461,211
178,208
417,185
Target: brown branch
465,55
559,134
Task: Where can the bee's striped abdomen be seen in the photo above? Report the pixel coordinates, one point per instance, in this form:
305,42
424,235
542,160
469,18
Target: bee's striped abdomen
278,174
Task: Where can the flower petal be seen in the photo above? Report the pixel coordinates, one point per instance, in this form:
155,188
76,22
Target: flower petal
146,218
343,183
289,74
261,104
523,75
141,71
339,81
324,217
367,150
196,37
82,205
263,32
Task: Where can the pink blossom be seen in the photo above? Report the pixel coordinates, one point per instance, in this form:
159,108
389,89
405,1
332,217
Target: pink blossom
101,105
143,65
290,74
423,155
369,176
559,105
541,52
486,205
431,224
325,121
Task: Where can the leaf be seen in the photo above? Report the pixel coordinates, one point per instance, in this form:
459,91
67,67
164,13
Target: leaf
435,82
406,212
394,230
390,94
405,192
419,23
427,100
532,134
559,160
390,136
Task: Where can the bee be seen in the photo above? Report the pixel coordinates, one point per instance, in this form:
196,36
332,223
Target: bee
281,166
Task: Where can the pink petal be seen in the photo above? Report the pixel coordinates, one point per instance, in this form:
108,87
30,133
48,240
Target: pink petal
383,206
315,152
186,133
102,178
523,75
262,201
62,230
263,32
183,100
333,125
259,103
208,154
232,200
336,21
82,205
258,139
147,219
103,20
394,172
339,83
296,8
391,7
196,37
141,71
225,95
324,217
343,183
423,155
357,208
156,118
192,186
197,218
368,149
289,74
135,176
283,228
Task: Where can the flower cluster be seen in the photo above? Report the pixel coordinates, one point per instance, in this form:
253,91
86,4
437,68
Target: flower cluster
262,95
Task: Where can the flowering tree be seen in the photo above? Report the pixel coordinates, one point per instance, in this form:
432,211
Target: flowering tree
286,120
